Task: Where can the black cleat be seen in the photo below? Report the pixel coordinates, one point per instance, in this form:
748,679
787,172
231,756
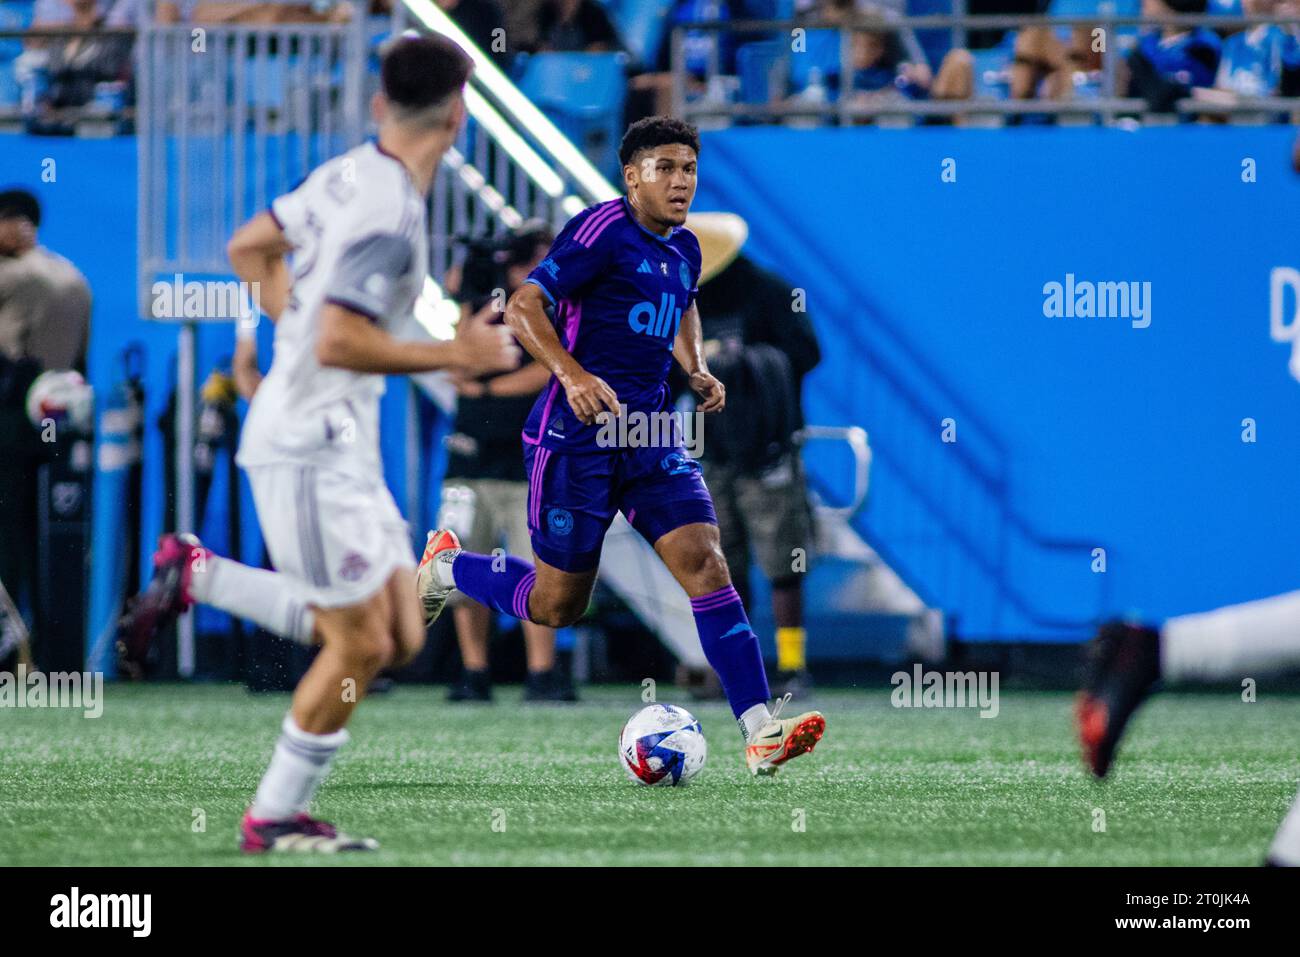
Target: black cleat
152,611
1123,668
549,685
472,686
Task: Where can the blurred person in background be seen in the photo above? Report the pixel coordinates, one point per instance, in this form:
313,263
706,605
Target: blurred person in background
44,325
761,348
1169,62
575,26
77,64
886,64
1260,60
485,490
481,20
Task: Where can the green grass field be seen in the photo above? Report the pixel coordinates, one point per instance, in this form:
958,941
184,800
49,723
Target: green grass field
1204,780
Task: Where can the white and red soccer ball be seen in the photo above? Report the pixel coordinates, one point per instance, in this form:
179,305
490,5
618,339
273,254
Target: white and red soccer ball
662,745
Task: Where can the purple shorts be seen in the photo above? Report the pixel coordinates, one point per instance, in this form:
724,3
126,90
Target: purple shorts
573,496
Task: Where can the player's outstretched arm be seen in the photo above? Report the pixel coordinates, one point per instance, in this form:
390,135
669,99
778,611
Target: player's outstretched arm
688,350
256,253
588,395
350,340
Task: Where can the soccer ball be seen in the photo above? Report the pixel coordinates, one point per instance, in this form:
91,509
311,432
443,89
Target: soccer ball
662,744
63,396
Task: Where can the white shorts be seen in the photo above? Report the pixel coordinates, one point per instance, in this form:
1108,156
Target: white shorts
340,535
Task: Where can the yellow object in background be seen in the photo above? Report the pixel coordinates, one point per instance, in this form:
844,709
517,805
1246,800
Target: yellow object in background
790,649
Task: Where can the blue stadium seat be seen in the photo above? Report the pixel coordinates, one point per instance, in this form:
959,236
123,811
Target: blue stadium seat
821,53
582,94
992,76
16,14
935,43
13,16
642,26
754,64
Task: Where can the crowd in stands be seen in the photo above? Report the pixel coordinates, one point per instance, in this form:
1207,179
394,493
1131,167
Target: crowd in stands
50,70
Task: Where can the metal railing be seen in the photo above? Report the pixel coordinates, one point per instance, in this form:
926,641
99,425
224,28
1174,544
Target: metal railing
713,106
227,118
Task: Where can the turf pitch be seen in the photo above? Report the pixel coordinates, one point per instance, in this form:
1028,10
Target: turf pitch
1203,780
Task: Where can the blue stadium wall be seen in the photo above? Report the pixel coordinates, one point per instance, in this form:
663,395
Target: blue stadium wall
1071,434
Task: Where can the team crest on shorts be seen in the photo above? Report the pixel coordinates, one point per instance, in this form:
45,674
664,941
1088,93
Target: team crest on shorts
676,463
560,521
353,568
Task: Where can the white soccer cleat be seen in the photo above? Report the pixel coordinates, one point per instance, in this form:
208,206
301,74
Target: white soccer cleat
782,739
441,548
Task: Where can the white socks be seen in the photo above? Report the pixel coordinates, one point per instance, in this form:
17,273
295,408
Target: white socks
298,766
443,568
753,719
1239,641
276,602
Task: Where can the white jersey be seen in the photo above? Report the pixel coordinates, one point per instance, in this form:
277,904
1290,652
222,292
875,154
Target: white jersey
358,229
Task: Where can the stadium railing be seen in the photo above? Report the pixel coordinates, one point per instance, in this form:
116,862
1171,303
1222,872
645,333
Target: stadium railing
717,104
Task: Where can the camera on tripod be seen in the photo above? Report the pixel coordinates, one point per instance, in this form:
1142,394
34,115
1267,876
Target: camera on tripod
487,258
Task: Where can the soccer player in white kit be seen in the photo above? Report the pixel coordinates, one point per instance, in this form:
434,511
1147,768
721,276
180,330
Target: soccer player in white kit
1127,661
344,563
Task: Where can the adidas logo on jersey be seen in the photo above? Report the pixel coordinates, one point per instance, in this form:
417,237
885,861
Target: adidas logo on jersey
644,267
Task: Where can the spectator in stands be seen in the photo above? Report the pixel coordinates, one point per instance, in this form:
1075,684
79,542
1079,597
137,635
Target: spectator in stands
1169,62
485,23
77,64
761,347
44,324
1043,64
485,491
116,13
1255,59
883,67
521,23
580,26
264,11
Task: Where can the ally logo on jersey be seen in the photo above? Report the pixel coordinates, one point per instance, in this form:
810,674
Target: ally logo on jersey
660,321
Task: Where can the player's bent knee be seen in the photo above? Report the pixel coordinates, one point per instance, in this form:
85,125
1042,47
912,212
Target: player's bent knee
556,613
705,568
371,650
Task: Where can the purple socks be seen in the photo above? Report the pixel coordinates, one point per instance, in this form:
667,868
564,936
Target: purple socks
732,648
505,587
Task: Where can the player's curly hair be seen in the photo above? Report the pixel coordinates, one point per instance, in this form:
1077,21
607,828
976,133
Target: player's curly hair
652,131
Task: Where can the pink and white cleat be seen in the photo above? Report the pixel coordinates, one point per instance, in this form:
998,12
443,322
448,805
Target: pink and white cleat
168,595
301,833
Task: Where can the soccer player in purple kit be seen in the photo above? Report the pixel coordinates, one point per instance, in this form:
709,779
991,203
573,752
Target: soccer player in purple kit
620,284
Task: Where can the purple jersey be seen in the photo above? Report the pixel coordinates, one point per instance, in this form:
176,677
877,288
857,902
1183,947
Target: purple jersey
619,293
